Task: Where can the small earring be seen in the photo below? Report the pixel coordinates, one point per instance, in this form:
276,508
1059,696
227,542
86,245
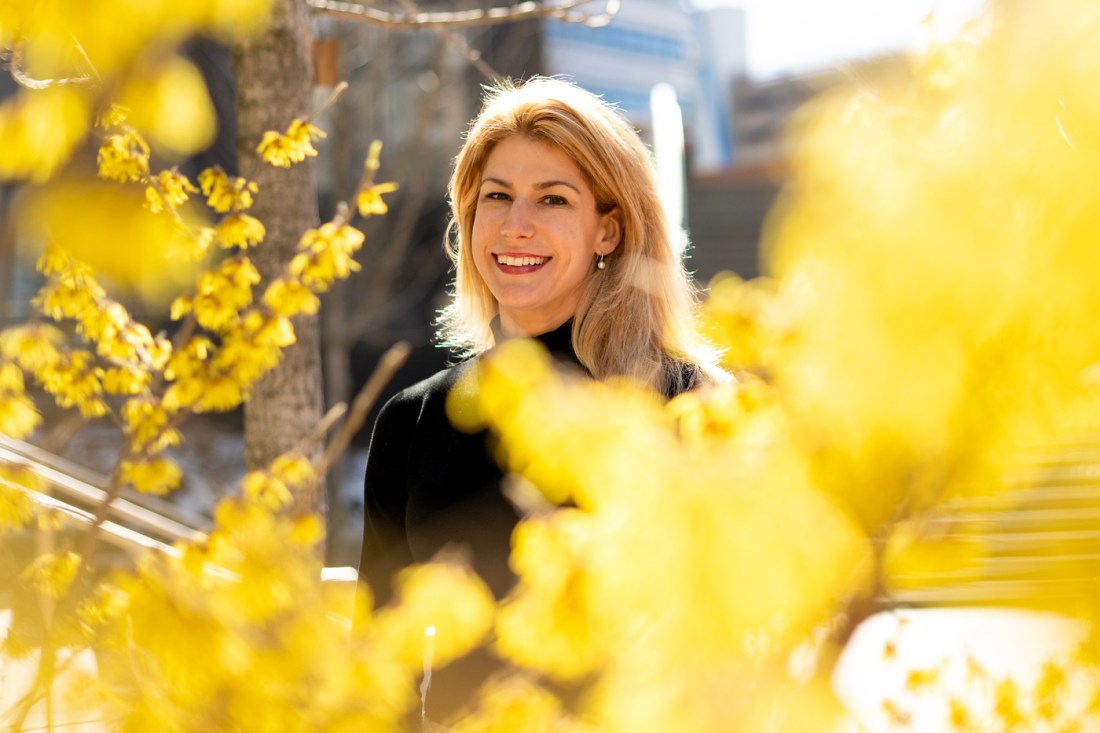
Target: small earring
600,264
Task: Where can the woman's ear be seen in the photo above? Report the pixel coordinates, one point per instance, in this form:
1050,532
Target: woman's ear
611,225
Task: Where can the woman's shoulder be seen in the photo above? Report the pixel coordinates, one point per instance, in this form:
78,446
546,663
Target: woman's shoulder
429,389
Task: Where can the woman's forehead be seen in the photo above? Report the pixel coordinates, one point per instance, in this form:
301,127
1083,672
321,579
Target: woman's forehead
520,159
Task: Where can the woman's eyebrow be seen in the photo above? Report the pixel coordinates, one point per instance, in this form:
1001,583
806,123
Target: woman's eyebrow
551,184
540,186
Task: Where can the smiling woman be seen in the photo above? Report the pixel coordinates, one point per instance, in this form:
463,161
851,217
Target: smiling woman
558,234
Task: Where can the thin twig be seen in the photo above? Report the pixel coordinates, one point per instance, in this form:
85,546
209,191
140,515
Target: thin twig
394,358
563,11
331,100
321,428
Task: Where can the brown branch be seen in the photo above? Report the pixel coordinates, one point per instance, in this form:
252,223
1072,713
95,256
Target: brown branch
563,11
15,66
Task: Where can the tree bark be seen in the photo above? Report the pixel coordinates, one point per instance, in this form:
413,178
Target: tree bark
274,85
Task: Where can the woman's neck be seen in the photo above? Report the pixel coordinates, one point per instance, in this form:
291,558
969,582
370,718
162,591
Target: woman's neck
512,328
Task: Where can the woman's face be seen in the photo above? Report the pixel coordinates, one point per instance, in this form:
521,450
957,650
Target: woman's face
537,233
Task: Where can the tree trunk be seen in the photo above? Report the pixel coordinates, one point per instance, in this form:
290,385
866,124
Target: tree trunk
274,85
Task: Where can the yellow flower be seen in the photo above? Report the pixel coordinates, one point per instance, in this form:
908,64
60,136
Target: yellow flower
33,347
240,230
293,468
16,508
40,128
186,370
18,415
307,530
115,116
290,298
222,294
153,201
107,602
168,187
225,194
201,242
454,626
220,394
75,382
124,157
370,199
156,476
269,491
52,574
125,380
293,147
147,425
326,255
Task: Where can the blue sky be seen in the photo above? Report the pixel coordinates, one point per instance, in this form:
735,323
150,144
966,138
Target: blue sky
796,35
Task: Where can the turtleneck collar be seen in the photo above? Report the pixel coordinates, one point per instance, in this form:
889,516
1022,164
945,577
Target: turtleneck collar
559,341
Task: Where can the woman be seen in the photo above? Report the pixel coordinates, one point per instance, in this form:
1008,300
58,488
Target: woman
557,234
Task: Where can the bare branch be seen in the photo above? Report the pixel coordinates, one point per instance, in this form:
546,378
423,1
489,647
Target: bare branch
15,65
566,11
458,43
391,361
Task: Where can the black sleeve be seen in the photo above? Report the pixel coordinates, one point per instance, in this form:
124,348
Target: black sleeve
385,496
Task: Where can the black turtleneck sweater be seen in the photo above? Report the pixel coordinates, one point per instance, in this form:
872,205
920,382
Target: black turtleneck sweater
430,486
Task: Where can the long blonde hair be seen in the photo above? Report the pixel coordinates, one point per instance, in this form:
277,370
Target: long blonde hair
636,317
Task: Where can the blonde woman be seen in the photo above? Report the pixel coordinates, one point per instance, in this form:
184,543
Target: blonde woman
557,234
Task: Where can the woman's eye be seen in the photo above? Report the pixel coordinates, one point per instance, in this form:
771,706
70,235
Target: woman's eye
496,196
555,200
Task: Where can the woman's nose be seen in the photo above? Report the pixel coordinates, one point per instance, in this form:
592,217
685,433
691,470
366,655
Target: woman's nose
519,222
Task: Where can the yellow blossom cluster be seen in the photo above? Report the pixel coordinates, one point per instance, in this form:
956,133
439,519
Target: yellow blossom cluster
236,632
326,254
18,415
221,294
17,510
274,488
655,578
169,187
41,131
156,476
51,573
74,380
148,424
124,157
204,379
225,193
239,230
131,352
292,147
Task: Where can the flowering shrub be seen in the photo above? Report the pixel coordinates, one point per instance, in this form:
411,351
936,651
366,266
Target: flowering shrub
926,318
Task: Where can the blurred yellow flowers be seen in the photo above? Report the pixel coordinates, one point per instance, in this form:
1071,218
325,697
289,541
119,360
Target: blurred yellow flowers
292,147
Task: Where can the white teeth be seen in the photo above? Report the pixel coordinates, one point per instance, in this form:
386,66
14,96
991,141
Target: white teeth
520,261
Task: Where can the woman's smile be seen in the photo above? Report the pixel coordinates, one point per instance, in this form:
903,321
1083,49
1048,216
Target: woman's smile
518,264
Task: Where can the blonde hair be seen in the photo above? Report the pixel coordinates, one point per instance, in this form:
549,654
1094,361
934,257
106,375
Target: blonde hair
636,317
